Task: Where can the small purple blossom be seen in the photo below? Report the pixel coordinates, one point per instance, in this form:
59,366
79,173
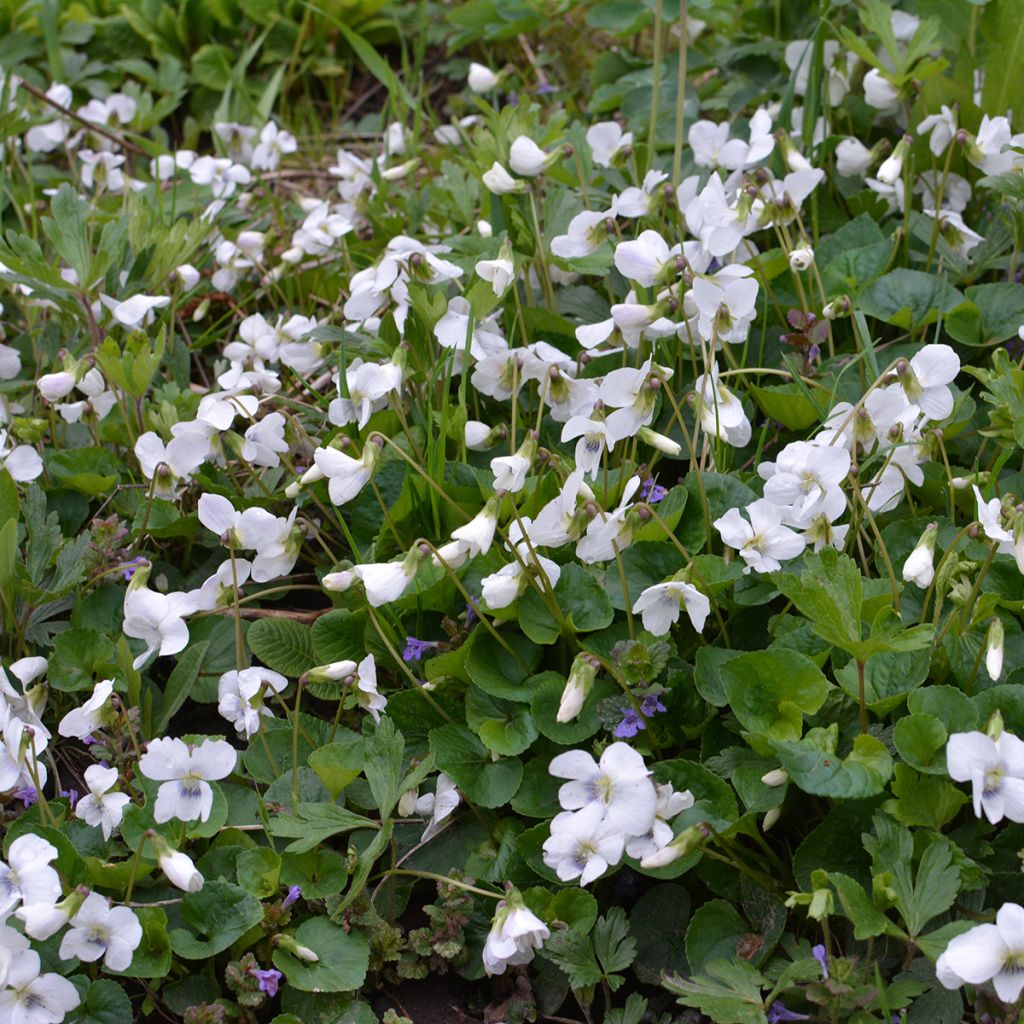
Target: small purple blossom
71,795
89,740
470,613
651,706
777,1012
415,649
27,795
512,99
819,954
632,722
269,980
544,89
651,492
130,567
294,892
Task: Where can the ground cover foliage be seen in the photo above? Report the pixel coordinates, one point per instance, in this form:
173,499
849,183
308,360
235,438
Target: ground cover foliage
518,491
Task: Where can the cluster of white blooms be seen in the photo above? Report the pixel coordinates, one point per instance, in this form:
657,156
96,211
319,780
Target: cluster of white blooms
611,807
803,490
30,889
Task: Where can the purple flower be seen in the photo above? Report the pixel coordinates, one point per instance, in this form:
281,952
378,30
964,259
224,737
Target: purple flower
819,954
778,1012
512,99
71,794
544,89
131,566
652,706
651,492
27,795
631,724
470,613
415,649
269,979
294,892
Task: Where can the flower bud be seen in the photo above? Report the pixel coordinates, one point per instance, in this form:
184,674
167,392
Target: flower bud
771,818
499,182
481,78
577,686
291,945
332,673
338,581
687,840
776,777
177,866
892,167
994,646
659,441
801,259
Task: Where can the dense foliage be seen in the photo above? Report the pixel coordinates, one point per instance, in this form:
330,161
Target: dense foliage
518,491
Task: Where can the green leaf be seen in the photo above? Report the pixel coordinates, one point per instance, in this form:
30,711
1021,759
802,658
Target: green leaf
888,677
314,824
770,691
80,657
91,471
504,726
867,920
862,773
829,593
660,936
218,914
337,764
573,952
583,599
717,930
179,685
921,742
320,873
923,896
909,298
991,315
104,1002
485,782
614,946
68,231
259,871
212,66
284,645
728,991
498,672
786,403
383,752
923,800
344,958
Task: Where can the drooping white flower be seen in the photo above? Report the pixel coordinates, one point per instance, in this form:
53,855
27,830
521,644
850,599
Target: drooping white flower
185,772
478,533
619,785
919,566
609,532
525,157
763,543
942,127
853,158
346,476
274,143
158,619
925,379
661,604
515,936
586,234
81,721
607,141
510,470
988,953
387,581
100,930
264,441
178,867
646,259
501,588
500,272
720,410
22,461
135,311
726,303
481,78
499,182
100,807
368,385
365,689
995,769
240,697
439,805
880,93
